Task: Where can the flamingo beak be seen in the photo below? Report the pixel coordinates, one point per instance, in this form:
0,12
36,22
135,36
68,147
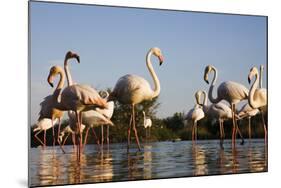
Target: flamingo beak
161,60
50,81
249,79
206,79
78,58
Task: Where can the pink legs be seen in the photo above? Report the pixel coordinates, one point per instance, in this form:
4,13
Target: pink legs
36,136
129,133
132,120
134,127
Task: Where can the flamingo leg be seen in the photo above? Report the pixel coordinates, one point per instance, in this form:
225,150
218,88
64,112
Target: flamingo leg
192,134
240,134
59,129
234,125
53,130
264,127
77,137
44,138
73,139
96,138
134,127
86,136
221,134
195,127
102,139
65,139
38,137
80,132
129,132
249,127
107,135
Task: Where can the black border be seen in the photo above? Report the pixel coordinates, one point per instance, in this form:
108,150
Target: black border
132,7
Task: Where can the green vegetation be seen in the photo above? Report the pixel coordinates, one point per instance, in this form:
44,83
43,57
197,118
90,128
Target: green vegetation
165,129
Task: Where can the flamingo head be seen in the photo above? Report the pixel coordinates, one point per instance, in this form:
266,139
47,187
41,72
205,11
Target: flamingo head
253,71
198,96
53,72
70,55
157,52
261,67
208,69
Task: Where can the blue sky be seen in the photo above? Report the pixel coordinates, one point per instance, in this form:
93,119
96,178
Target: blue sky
113,42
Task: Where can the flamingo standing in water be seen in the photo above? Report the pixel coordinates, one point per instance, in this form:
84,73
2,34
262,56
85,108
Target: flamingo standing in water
90,118
257,96
247,111
43,125
230,91
194,115
147,123
218,111
77,98
133,89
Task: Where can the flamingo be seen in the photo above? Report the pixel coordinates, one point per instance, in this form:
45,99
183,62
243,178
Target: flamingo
69,129
194,115
77,98
247,110
230,91
91,115
257,96
218,111
43,125
133,89
147,123
107,112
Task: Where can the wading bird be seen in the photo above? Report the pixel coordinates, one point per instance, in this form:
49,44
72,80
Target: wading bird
133,89
77,98
194,115
230,91
218,111
43,125
257,96
247,111
147,123
91,118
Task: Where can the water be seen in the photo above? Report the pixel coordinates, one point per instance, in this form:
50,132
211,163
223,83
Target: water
157,160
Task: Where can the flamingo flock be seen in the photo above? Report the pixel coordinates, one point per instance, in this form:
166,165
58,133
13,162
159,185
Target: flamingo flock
233,93
87,108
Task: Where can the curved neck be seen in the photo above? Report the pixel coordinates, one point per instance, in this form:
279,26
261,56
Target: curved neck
205,101
211,98
156,90
253,88
67,72
59,87
261,73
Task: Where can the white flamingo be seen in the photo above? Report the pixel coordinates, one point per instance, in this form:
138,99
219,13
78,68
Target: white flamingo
43,125
147,123
257,96
194,115
247,111
230,91
133,89
77,98
218,111
107,112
